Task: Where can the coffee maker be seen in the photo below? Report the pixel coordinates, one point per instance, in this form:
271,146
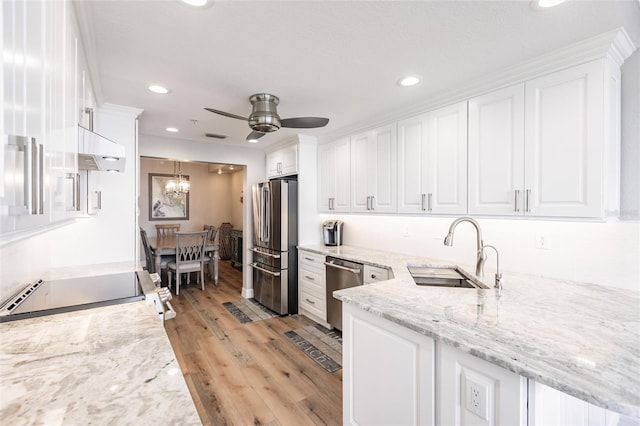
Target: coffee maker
332,232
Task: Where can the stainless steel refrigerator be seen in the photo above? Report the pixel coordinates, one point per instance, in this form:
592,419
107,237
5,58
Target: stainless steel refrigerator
275,237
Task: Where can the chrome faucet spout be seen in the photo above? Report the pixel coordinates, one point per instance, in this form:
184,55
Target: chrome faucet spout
498,284
480,255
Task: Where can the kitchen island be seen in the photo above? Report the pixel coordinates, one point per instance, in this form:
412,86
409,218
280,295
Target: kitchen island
579,338
107,365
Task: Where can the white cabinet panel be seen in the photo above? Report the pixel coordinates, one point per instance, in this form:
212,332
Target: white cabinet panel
283,162
447,160
432,162
312,298
564,139
496,152
471,391
548,407
373,170
388,372
412,164
334,182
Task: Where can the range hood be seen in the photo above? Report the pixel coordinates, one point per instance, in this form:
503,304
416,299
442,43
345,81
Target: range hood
95,152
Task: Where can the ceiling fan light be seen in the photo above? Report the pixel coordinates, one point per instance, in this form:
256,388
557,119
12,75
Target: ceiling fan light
155,88
252,140
172,129
410,80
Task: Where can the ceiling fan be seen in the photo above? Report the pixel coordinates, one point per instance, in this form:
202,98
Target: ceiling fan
264,117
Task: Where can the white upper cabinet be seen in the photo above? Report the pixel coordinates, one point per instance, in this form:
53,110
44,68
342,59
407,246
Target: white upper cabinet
496,152
567,138
283,162
334,182
447,160
373,170
548,147
432,162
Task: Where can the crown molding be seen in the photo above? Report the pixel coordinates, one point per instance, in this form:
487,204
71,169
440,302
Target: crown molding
615,45
120,110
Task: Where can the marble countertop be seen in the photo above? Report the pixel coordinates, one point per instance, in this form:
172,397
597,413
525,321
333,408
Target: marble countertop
108,365
582,339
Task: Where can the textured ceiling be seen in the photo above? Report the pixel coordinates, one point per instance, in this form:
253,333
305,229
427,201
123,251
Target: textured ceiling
336,59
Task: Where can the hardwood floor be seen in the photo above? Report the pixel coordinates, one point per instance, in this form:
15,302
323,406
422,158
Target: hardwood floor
248,374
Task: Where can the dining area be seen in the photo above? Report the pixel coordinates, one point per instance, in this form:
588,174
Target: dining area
176,255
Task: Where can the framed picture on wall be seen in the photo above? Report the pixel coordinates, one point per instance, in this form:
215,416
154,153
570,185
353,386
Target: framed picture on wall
166,204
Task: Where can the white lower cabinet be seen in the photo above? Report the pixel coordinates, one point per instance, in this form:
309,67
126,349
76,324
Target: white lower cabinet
388,372
312,297
471,391
548,406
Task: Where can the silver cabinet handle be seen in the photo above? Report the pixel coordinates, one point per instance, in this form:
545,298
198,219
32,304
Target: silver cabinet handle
517,198
255,266
422,197
256,250
373,200
528,201
33,164
368,200
309,278
310,259
429,201
310,301
99,195
344,268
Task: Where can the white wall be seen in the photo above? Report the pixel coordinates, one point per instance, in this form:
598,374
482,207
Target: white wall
188,150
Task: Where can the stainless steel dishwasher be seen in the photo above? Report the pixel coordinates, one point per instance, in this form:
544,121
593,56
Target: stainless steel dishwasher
340,274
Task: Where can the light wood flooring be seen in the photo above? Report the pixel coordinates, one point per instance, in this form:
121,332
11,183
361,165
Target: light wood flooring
247,374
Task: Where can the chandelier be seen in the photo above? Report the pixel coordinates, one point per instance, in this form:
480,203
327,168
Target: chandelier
179,184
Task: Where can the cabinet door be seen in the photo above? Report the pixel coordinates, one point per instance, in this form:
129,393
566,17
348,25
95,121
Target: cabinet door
412,160
289,160
496,152
388,372
563,142
273,164
334,182
382,169
471,391
360,166
447,160
548,406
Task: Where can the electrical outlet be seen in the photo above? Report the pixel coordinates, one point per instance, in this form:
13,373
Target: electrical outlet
476,400
542,241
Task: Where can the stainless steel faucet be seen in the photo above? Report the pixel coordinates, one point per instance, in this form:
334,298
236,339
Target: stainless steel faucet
498,273
480,256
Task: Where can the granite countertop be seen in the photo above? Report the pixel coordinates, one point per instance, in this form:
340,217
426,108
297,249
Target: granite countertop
108,365
582,339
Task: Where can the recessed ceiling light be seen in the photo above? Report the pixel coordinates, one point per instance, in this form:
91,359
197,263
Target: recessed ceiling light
410,80
545,4
196,3
171,129
252,140
158,89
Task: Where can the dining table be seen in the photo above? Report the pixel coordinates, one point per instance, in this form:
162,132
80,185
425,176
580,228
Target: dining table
166,245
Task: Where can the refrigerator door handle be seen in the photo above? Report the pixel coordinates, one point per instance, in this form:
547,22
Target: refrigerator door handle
255,266
256,250
267,214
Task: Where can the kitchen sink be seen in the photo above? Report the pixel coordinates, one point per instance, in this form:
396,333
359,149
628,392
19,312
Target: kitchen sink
443,276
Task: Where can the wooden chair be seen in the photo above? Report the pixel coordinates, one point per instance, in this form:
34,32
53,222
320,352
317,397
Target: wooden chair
167,230
211,229
189,256
150,256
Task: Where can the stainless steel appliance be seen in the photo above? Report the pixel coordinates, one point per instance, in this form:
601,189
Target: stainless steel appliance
332,232
42,298
275,236
340,274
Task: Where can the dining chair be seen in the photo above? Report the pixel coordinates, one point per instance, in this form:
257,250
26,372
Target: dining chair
190,256
212,257
211,229
167,230
150,255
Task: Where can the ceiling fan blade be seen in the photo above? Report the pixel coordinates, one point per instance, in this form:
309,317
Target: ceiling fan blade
226,114
255,135
304,122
